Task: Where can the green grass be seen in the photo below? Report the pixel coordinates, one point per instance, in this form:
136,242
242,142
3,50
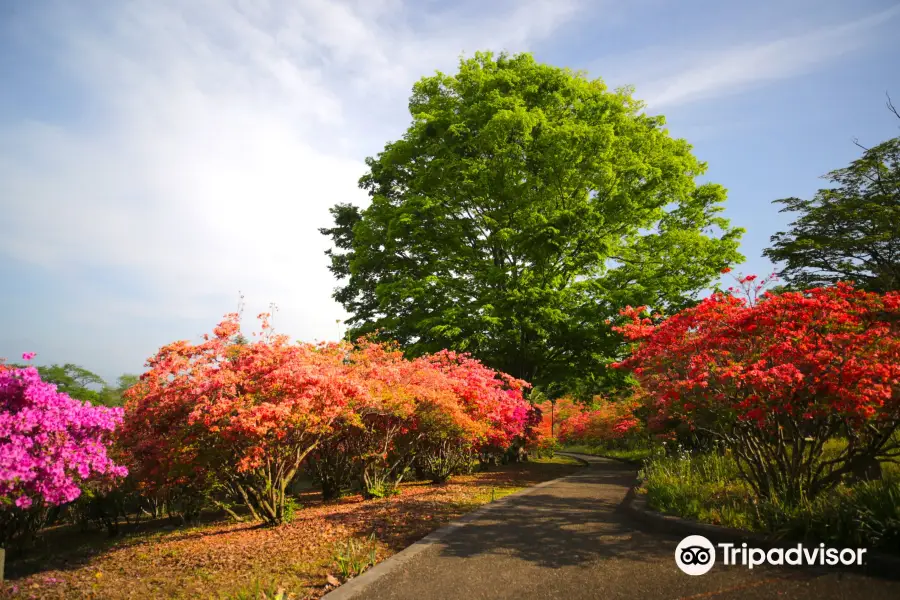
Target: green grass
636,455
354,556
708,488
257,590
704,488
556,459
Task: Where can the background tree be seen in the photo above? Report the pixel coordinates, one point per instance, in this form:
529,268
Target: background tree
74,380
115,396
524,205
848,232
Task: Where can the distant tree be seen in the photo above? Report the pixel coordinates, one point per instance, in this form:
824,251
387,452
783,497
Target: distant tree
115,396
523,207
74,381
126,381
849,232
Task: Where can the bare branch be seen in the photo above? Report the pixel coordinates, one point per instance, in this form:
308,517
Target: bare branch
891,106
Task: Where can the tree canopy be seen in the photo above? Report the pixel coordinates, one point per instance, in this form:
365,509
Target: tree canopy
849,232
73,380
521,209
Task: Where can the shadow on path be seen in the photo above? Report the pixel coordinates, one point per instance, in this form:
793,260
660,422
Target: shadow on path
570,539
558,525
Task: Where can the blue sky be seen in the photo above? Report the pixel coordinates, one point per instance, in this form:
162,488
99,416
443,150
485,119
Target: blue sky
158,156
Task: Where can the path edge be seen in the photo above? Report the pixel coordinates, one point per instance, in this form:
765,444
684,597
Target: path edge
635,505
357,585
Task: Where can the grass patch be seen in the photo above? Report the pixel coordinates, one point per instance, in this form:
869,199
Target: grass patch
558,459
635,455
707,488
353,556
704,488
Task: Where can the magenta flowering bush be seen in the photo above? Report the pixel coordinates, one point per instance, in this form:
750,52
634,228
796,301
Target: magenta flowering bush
49,443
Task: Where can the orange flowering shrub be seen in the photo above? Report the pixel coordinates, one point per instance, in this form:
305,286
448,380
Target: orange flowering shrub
238,419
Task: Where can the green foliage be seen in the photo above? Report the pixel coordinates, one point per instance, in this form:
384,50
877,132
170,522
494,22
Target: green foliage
707,488
379,487
257,590
441,459
848,232
104,506
18,527
522,208
353,556
291,506
115,396
864,515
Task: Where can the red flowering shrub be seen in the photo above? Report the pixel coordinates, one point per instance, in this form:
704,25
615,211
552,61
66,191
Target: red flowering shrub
603,422
777,376
489,397
538,437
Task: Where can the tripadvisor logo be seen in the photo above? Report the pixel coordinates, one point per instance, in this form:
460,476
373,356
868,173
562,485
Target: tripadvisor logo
696,555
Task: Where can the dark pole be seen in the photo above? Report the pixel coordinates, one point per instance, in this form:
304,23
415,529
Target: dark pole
552,407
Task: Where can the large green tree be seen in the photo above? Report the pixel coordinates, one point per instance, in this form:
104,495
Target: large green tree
848,232
523,207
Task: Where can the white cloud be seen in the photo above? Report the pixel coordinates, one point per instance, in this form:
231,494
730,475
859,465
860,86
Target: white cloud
705,73
217,136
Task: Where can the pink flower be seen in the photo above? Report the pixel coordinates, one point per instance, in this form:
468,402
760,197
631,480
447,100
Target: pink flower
28,355
49,442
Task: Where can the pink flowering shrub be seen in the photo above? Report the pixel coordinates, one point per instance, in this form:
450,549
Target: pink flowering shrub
490,397
50,444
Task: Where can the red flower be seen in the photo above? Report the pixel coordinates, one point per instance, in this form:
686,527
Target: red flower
823,351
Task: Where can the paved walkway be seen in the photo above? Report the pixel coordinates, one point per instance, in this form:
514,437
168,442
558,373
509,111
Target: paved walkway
568,540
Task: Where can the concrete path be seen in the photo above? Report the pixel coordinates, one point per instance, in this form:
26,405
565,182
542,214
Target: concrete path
569,540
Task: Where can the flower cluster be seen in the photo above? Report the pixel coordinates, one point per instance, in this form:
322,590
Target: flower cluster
49,443
601,422
491,398
250,413
819,353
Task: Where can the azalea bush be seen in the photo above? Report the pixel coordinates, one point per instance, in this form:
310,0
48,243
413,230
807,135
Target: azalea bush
234,421
406,401
431,414
51,446
236,415
604,422
538,438
774,377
